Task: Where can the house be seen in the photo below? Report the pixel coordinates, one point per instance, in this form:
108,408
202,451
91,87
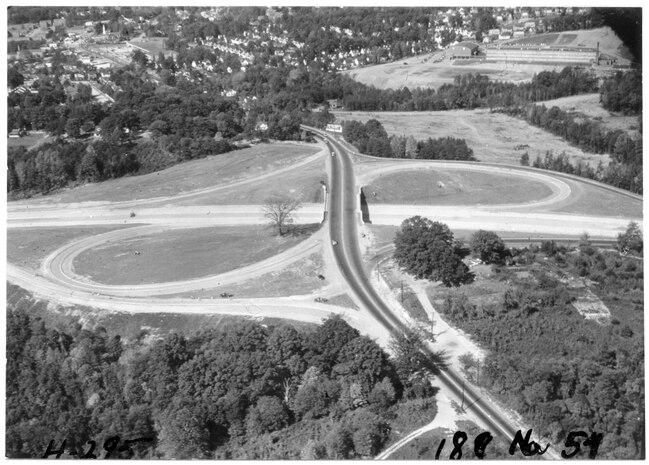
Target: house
462,50
333,103
261,126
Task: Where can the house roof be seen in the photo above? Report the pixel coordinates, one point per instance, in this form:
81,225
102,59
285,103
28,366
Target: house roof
466,44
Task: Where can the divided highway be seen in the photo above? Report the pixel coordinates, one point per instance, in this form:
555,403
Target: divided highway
343,222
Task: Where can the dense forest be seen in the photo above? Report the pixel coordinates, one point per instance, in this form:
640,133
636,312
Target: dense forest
559,370
372,139
245,390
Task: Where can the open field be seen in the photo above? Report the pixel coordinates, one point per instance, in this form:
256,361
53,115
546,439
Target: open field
155,45
177,255
298,279
588,106
185,177
424,71
453,188
34,139
493,137
27,247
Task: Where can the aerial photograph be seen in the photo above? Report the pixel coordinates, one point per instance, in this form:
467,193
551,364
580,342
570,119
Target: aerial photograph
324,233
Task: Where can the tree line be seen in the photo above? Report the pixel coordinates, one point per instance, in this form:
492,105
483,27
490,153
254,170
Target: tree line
468,91
205,394
625,169
622,93
372,139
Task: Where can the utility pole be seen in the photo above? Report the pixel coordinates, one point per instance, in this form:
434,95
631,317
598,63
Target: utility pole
402,291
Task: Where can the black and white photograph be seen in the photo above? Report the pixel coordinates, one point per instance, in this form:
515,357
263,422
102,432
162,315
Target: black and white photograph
293,232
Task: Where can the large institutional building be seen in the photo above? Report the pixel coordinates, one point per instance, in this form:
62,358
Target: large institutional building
542,54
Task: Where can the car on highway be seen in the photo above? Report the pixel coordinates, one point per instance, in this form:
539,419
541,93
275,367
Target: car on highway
333,154
333,242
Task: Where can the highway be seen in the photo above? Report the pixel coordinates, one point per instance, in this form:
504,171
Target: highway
344,217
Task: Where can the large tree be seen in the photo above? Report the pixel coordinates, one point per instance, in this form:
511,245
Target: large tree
426,249
279,210
488,246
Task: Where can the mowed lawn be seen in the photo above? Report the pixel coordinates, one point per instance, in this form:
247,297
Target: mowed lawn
192,175
27,247
453,187
178,255
493,137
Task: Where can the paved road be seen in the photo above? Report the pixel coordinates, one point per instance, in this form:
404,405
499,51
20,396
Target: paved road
344,217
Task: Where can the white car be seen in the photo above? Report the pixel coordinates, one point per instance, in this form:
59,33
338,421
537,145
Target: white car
333,242
333,154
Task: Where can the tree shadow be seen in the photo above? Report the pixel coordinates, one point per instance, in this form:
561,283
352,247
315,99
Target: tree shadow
438,361
298,230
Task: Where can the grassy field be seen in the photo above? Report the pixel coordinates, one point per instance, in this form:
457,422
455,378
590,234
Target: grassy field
303,184
459,188
192,175
492,137
34,139
181,254
587,106
27,247
299,278
343,300
587,199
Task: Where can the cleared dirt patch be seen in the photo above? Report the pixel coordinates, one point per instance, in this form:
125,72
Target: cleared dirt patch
493,137
181,254
426,71
453,188
27,247
196,174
